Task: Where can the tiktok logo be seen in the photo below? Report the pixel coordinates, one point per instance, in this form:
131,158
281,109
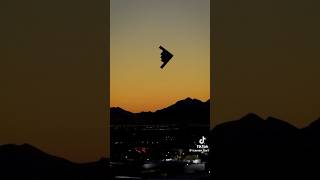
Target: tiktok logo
201,147
201,141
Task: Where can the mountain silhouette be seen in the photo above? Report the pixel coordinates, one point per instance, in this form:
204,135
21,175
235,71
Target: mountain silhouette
250,147
253,129
256,148
177,126
187,111
27,162
121,116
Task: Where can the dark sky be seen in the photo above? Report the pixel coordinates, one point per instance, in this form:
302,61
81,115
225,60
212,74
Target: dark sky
266,59
53,58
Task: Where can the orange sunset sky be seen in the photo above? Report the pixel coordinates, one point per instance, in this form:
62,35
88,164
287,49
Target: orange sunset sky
138,28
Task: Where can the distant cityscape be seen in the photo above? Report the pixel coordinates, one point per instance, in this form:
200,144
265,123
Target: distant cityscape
150,142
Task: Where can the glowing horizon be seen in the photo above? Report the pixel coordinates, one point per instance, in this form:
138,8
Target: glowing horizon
137,83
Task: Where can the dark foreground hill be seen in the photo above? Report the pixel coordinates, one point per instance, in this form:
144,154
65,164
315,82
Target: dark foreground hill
27,162
258,148
248,148
178,126
183,112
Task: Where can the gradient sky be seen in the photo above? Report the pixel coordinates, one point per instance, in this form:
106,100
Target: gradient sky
138,28
53,78
266,59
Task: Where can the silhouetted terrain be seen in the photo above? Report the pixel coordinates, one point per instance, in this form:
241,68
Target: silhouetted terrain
177,126
161,140
187,111
27,162
256,148
250,147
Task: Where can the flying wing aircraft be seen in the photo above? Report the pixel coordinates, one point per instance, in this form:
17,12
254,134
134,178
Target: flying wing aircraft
165,56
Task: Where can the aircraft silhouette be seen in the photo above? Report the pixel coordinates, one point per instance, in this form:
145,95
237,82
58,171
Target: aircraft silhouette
165,56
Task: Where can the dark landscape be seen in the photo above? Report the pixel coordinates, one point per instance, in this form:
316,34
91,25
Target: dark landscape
157,144
270,148
250,147
27,162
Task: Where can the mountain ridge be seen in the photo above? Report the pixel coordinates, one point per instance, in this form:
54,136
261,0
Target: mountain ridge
188,99
28,162
251,147
182,112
